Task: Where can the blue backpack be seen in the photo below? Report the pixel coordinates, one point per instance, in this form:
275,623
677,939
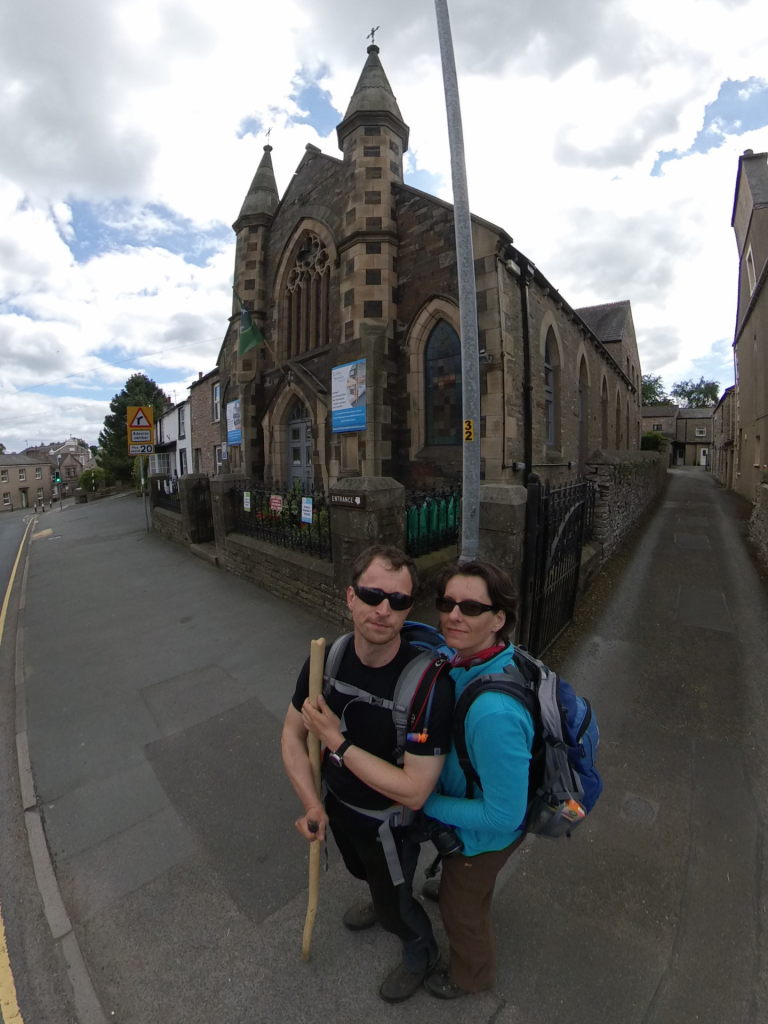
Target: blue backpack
563,783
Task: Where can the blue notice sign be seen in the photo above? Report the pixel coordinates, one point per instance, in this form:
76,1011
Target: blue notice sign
349,397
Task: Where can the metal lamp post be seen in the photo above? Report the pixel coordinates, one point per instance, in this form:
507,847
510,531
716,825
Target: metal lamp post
470,363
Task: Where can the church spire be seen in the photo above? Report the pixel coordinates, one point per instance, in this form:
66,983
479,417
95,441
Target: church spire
373,102
262,197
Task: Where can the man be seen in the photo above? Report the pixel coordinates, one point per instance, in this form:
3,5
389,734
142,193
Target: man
360,767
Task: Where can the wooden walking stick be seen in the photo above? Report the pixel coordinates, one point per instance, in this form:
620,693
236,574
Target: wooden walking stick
316,666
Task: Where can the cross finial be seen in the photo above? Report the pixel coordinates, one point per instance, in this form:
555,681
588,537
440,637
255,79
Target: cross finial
372,35
268,133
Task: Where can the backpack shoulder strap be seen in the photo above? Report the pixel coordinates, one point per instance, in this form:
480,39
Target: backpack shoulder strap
547,686
334,656
511,682
426,666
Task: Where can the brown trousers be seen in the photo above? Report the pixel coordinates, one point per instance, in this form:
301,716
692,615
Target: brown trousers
466,893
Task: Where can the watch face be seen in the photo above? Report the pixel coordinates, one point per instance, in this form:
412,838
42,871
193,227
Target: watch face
337,759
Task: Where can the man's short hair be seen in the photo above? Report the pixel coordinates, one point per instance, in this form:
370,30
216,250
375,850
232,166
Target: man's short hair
396,557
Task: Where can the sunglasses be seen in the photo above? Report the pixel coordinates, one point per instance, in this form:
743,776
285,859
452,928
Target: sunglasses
372,595
470,608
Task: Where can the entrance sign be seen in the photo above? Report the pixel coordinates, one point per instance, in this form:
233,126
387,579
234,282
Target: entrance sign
349,397
347,500
306,510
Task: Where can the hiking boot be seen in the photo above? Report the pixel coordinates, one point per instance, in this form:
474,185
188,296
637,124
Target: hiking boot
360,916
431,888
439,984
401,983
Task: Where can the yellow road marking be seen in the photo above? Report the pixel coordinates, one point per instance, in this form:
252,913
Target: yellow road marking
9,1006
9,588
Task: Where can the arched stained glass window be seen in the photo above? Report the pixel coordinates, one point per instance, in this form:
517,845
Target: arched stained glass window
442,379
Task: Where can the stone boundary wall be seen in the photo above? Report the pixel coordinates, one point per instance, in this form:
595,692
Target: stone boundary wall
758,523
288,574
628,483
170,524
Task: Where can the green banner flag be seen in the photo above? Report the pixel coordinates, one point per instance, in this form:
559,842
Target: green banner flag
250,335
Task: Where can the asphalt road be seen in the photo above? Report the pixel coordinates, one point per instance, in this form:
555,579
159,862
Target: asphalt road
155,685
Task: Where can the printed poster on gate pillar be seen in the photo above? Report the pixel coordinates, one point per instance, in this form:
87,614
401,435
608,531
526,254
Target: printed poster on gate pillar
349,397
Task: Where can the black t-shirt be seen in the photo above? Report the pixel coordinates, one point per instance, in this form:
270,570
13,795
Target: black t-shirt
372,728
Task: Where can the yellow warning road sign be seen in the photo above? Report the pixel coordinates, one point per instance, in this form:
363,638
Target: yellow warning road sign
141,429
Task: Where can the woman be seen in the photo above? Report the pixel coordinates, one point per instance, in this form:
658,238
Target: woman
477,607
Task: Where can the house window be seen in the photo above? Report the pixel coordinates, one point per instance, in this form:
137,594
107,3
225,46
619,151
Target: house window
4,476
69,472
216,402
39,493
551,391
22,474
218,457
701,431
656,427
6,498
442,378
38,473
182,427
751,270
183,461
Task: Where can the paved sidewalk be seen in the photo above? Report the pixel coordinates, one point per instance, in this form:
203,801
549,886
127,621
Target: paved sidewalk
156,685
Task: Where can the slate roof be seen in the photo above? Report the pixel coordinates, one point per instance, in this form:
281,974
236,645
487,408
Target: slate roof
262,196
664,409
606,321
696,414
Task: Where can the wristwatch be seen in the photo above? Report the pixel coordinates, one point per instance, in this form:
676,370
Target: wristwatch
337,756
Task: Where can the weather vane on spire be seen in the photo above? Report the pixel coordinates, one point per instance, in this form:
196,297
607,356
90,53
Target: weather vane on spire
268,133
372,35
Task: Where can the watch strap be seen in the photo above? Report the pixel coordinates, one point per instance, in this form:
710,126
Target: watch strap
341,750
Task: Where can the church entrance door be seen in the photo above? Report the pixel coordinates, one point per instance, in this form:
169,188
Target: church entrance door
299,447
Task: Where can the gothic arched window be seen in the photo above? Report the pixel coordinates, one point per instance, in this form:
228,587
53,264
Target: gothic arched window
307,306
442,380
551,391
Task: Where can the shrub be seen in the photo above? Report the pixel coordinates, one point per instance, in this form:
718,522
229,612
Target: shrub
653,441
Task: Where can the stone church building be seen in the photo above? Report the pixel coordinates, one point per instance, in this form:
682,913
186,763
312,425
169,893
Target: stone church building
351,278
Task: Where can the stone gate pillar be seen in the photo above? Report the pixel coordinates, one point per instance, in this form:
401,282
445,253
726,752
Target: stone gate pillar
364,511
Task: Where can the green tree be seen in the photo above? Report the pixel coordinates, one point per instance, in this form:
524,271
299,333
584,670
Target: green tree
696,394
652,390
92,480
113,440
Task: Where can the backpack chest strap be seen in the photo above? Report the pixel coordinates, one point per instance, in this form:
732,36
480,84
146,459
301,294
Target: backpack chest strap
354,691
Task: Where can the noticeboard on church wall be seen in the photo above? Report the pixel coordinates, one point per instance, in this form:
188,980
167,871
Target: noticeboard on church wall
349,397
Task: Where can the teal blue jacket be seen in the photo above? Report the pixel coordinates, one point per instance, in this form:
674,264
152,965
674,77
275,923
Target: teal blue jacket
499,733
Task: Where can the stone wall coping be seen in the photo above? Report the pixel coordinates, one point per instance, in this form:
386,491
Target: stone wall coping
611,458
504,494
366,484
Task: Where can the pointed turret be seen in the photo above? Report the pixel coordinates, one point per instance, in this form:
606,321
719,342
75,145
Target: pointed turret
373,102
262,196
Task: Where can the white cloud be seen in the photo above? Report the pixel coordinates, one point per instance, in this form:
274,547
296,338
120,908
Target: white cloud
138,106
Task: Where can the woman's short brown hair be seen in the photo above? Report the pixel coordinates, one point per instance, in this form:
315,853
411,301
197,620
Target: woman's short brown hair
501,590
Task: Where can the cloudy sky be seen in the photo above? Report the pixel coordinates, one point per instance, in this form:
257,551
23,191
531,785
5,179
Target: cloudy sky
603,135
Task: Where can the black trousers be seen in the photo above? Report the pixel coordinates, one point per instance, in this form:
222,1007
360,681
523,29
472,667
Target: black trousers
396,908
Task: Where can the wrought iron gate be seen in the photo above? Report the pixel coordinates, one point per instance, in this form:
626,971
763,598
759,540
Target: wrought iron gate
558,522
